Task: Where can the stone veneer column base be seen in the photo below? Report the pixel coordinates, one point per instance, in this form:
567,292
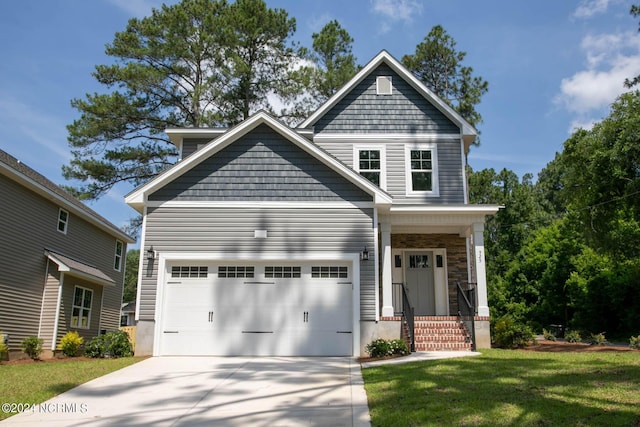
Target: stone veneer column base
144,337
483,332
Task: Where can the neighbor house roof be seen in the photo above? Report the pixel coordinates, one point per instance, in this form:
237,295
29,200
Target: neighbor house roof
138,197
79,268
467,130
26,176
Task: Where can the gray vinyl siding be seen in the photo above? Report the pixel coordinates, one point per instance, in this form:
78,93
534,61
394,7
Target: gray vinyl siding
261,166
405,111
450,167
49,304
191,145
231,231
28,228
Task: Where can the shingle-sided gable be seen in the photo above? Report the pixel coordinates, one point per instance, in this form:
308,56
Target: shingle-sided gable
262,165
405,110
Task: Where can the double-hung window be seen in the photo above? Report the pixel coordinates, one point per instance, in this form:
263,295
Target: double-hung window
81,310
117,259
369,161
421,162
63,221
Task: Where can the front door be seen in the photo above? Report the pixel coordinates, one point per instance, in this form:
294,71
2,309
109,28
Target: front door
420,283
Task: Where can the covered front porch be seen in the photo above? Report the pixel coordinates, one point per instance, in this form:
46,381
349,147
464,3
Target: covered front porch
432,273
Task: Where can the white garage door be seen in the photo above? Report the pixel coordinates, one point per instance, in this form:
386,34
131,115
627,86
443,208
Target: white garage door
257,309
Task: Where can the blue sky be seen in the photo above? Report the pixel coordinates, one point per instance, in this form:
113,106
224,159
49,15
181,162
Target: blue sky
551,66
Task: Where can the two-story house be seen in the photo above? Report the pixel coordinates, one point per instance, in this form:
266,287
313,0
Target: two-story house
61,264
271,240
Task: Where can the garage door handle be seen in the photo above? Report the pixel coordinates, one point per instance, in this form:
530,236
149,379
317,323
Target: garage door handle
210,316
343,332
305,317
170,332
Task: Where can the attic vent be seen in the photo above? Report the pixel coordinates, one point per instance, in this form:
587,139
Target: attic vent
383,85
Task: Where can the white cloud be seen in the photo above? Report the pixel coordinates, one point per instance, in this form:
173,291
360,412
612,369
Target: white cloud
588,8
398,10
610,59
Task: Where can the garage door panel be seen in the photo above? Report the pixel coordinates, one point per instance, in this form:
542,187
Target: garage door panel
257,315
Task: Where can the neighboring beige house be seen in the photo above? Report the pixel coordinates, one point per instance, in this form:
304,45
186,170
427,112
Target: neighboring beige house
61,264
315,240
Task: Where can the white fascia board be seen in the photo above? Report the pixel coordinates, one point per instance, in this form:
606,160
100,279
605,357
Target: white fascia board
260,204
465,128
448,209
137,198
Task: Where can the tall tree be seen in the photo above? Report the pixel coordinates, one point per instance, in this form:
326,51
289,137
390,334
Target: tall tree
196,63
635,12
602,178
333,53
438,64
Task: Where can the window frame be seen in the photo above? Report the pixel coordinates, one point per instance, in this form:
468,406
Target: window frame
357,148
117,257
435,188
65,221
81,308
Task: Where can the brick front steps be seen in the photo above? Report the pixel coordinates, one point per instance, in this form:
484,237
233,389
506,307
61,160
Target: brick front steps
441,333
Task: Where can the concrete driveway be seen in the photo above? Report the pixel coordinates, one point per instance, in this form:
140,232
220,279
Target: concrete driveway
213,391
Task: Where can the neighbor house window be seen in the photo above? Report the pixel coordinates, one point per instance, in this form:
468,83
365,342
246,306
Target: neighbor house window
369,161
81,309
63,221
421,167
117,263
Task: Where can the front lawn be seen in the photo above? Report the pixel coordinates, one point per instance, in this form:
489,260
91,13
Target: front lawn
508,388
36,382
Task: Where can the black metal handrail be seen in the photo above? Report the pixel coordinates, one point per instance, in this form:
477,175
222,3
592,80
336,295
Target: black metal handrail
467,309
407,314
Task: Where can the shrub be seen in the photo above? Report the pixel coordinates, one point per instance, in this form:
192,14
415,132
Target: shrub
509,334
112,344
548,335
32,346
634,342
384,348
70,344
598,339
573,336
4,350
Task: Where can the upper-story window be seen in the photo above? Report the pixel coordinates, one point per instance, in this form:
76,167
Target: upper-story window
63,221
117,262
369,161
421,169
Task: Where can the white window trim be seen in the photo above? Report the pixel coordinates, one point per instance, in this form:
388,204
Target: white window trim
118,256
73,306
383,160
60,221
435,191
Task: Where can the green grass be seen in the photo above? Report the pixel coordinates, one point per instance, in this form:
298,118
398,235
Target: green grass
508,388
37,382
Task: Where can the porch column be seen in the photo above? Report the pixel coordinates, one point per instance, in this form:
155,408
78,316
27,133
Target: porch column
481,273
387,291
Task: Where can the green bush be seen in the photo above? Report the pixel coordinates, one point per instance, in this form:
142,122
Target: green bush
70,344
548,335
573,336
509,334
112,344
32,346
598,339
384,348
634,342
4,350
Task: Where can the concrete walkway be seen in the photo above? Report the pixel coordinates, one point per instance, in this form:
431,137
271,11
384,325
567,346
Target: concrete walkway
421,356
213,391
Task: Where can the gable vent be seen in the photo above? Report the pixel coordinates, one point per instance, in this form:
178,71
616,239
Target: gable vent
383,85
